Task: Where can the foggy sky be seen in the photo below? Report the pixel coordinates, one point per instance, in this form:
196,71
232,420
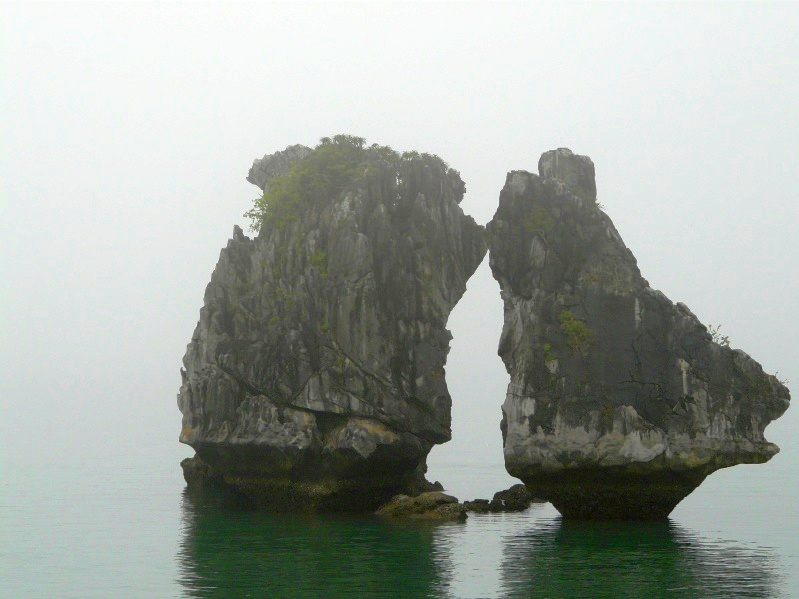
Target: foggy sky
128,129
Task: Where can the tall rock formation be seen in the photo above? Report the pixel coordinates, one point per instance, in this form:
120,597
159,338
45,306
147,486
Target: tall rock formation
315,377
620,402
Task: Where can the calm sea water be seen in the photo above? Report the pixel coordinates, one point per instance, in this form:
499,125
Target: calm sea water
121,524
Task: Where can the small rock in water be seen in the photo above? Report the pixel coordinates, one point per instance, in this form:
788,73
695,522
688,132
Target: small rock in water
479,506
433,505
515,499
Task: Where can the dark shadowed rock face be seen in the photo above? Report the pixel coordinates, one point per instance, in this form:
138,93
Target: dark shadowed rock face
515,499
620,402
315,377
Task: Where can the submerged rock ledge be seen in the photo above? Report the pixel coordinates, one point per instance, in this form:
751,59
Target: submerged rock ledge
620,402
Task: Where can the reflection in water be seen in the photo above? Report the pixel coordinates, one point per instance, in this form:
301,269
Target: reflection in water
559,558
233,552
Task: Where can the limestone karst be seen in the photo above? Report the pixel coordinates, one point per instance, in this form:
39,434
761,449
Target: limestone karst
314,380
620,402
315,377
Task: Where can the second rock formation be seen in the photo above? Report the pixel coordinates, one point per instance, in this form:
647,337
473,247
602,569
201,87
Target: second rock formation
620,402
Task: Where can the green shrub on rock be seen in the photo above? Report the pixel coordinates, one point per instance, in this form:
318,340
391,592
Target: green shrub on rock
335,164
579,335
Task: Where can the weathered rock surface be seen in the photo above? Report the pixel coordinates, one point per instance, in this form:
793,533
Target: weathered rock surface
315,377
515,499
620,402
272,165
433,505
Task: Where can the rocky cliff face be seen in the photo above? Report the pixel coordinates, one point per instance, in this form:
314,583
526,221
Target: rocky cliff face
620,402
315,377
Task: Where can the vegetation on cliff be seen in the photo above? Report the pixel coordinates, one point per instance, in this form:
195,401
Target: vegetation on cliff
335,164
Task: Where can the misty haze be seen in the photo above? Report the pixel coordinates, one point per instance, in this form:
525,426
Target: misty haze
238,238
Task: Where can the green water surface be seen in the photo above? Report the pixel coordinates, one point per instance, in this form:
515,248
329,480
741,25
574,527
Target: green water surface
128,528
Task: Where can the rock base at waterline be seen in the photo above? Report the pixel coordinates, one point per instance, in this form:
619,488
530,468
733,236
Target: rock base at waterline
280,495
598,494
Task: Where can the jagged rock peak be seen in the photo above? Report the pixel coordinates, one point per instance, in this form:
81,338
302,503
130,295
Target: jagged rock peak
270,166
577,172
315,377
620,402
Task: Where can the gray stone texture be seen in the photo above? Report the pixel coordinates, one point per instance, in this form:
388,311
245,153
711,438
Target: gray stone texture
272,165
315,377
620,402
